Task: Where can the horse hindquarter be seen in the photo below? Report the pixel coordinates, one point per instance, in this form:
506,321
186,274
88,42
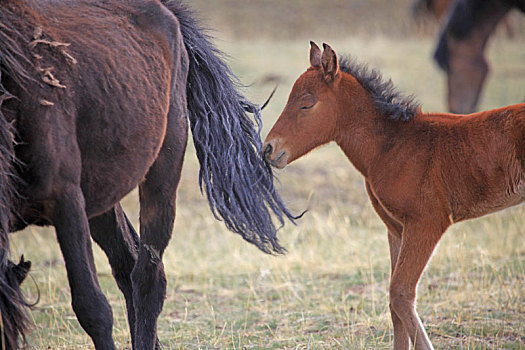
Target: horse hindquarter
92,135
158,196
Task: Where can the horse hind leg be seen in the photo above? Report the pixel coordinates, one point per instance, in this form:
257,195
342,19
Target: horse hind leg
113,232
54,167
157,214
58,189
91,307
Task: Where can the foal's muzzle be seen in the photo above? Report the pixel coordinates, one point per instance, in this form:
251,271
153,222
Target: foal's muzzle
267,151
274,156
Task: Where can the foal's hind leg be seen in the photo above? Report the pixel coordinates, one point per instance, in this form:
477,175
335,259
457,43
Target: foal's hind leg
157,214
113,232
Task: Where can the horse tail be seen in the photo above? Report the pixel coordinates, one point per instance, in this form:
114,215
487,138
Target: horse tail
237,181
14,321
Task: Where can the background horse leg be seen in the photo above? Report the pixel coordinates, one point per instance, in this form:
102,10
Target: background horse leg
417,244
401,339
157,214
468,69
113,232
88,301
461,50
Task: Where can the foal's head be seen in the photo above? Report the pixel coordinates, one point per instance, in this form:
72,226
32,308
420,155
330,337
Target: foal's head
310,116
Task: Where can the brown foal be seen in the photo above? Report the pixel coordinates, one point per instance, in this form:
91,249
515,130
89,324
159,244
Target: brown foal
423,172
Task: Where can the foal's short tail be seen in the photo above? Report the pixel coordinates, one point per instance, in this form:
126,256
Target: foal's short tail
237,181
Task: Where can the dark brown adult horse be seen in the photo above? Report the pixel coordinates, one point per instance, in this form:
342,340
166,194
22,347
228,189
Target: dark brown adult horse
423,172
461,48
94,99
437,8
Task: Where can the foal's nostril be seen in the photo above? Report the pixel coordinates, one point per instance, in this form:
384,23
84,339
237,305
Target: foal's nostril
268,149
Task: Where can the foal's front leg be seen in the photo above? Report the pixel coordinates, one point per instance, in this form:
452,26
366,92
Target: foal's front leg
401,338
418,242
395,229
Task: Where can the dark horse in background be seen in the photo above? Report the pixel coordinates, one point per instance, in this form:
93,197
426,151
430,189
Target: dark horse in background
437,8
95,98
461,46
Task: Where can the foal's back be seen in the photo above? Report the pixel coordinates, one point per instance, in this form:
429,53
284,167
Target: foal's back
477,160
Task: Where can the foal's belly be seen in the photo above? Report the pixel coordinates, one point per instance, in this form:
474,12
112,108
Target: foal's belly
500,202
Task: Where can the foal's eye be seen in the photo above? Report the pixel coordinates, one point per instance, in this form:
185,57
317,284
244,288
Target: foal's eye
307,101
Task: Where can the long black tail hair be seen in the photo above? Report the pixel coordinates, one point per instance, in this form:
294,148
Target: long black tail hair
13,314
13,307
235,177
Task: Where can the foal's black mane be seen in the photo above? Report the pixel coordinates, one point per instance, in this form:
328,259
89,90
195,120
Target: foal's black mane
390,102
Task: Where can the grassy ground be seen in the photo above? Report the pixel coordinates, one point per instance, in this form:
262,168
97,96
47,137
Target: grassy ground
331,290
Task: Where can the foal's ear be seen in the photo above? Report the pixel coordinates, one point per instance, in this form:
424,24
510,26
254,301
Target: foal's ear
315,55
330,64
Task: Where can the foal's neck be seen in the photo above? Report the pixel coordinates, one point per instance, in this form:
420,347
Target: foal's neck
361,128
